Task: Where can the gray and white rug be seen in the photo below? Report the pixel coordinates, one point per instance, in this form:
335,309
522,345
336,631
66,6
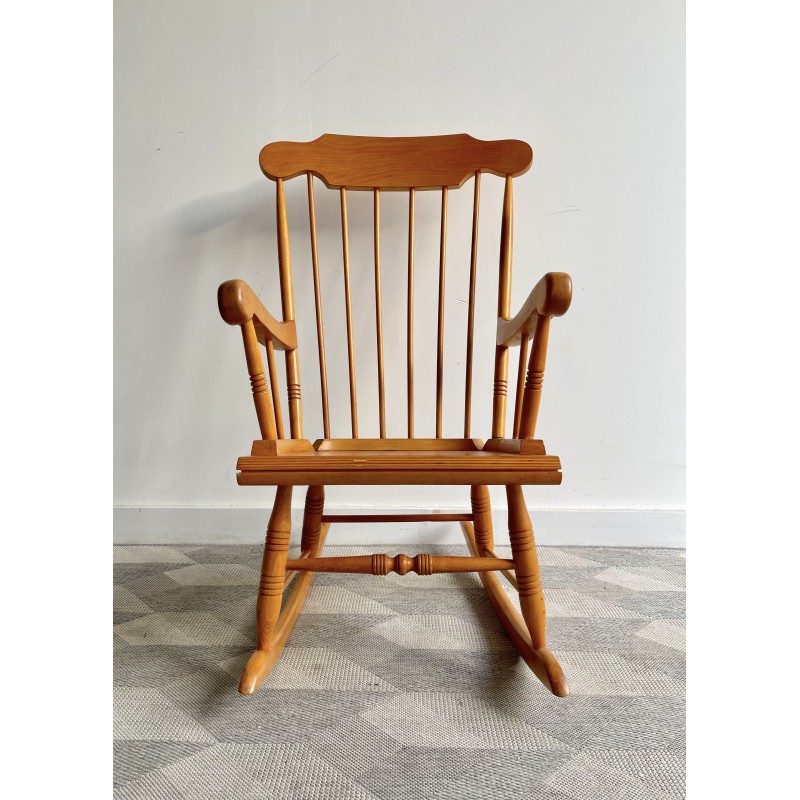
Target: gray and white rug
397,687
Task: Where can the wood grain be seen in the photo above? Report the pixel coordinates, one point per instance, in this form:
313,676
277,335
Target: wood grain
382,564
551,297
395,163
239,304
323,368
541,660
409,164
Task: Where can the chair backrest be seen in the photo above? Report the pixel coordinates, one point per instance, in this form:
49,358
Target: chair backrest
407,164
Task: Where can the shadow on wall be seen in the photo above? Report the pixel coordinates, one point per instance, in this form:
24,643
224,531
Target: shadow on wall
204,242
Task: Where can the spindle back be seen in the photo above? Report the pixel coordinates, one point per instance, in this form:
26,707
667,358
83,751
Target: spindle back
408,164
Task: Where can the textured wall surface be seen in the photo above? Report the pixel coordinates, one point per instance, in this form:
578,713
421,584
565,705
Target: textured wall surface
597,89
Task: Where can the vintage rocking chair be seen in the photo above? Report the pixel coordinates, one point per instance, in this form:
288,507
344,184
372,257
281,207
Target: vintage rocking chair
409,165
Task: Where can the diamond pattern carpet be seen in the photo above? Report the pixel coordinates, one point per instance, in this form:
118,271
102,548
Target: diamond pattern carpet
398,687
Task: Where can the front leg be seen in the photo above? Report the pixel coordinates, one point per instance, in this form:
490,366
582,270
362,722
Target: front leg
270,590
526,566
273,567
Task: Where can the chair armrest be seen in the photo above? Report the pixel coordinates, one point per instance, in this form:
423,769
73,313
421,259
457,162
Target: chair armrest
550,298
238,304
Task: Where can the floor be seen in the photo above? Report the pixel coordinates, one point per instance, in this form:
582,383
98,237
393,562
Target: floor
398,687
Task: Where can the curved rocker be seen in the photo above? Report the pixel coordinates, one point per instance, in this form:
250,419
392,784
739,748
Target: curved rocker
272,632
540,659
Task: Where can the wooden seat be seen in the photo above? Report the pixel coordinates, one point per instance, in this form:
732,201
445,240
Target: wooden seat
386,466
375,164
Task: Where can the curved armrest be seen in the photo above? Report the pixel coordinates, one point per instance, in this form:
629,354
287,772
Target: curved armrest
550,298
238,304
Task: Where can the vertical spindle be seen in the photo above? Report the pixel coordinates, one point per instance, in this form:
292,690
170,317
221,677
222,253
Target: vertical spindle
273,379
323,372
410,318
378,310
523,356
440,343
287,304
349,312
504,312
473,266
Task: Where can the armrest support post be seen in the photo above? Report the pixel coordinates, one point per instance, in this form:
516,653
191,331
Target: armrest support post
551,297
255,368
532,396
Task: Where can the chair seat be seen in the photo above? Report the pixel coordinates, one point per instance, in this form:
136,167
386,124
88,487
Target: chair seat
357,462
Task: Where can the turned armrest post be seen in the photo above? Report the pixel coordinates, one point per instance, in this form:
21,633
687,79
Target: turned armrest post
532,396
258,380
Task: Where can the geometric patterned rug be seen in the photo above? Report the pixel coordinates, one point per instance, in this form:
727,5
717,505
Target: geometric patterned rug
398,687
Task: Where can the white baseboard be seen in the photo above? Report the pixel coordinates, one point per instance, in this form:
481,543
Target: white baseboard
553,526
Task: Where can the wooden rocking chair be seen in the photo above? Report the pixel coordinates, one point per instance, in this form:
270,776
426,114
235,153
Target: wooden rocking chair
409,165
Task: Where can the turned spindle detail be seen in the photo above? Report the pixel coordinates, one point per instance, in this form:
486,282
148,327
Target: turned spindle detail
294,392
382,564
482,516
526,566
273,567
258,383
312,519
532,397
535,380
284,458
402,564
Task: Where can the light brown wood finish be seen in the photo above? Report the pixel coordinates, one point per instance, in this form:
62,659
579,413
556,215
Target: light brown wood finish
395,163
372,518
379,311
551,297
287,305
506,573
523,354
238,305
414,445
312,518
273,380
542,662
398,467
482,515
323,369
258,382
503,311
525,447
529,583
273,568
382,564
532,396
410,316
262,661
440,328
473,271
399,164
351,356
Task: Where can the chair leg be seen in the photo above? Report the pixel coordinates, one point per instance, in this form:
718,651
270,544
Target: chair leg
312,518
270,589
527,632
526,565
482,517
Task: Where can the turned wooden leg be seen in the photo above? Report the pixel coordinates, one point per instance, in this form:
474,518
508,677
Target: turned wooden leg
526,566
482,517
270,589
312,519
273,566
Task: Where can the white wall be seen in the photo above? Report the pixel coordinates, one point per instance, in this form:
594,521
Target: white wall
597,89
